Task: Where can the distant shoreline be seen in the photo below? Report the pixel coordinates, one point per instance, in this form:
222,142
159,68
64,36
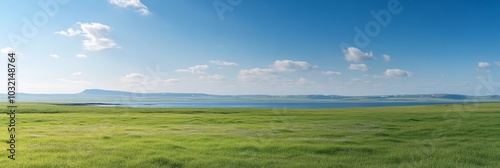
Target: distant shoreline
89,104
290,105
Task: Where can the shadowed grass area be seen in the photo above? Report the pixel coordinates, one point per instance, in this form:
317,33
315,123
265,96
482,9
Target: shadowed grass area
420,136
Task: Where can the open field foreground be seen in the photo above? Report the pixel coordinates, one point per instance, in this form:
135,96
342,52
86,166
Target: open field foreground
424,136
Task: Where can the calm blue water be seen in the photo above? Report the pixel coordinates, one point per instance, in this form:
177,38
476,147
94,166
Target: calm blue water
269,104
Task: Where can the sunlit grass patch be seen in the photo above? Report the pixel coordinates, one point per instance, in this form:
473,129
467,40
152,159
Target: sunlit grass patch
427,136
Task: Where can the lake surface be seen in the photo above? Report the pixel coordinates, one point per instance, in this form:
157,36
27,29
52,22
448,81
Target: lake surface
268,104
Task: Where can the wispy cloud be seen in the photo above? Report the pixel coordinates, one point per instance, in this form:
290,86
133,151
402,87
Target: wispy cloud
81,56
216,78
223,63
172,80
141,79
7,50
304,82
273,74
359,67
70,32
331,73
54,55
484,70
96,35
256,74
198,69
270,77
77,74
387,58
73,81
136,4
483,65
213,77
132,76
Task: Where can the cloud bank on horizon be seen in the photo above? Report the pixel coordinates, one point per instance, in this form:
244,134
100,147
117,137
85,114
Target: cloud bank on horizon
183,46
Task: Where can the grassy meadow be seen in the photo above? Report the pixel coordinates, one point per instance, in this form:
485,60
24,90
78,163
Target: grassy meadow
419,136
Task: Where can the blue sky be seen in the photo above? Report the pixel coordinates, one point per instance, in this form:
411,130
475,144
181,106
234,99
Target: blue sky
277,47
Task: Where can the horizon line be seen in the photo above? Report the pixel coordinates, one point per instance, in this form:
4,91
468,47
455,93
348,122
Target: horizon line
255,94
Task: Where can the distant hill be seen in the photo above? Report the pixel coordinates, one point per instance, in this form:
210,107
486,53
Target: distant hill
112,92
102,92
110,96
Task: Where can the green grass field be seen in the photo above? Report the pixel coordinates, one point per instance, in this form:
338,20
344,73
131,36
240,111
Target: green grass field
423,136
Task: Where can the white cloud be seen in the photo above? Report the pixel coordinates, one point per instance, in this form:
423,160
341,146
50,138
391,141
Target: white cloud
70,32
54,55
359,67
256,74
140,7
270,78
172,80
481,77
223,63
387,58
497,63
133,77
141,79
215,77
96,35
81,56
257,71
198,69
289,65
73,82
355,79
331,73
397,73
353,54
484,70
483,64
7,50
273,74
304,82
77,74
